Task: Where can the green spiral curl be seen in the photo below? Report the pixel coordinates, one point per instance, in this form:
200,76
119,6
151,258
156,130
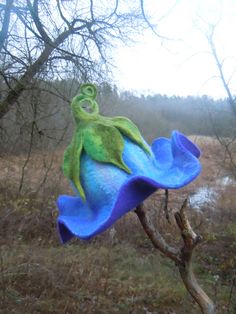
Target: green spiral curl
100,137
88,93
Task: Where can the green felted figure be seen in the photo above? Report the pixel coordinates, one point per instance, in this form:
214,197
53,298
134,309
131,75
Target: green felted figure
99,137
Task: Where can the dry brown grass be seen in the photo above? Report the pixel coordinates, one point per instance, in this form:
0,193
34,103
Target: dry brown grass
119,273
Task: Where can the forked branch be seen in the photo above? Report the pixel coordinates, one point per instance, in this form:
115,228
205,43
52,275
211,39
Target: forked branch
181,256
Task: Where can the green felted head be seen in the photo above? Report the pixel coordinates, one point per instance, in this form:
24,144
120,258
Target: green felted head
98,136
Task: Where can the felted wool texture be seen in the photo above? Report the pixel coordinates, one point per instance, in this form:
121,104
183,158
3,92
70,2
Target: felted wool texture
111,191
101,138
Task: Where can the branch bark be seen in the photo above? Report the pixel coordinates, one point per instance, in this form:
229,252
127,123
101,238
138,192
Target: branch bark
156,238
182,257
45,32
231,99
191,239
219,65
5,24
32,70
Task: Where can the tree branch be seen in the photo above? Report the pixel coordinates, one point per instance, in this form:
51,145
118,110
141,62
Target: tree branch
5,24
32,70
34,13
156,238
220,69
182,257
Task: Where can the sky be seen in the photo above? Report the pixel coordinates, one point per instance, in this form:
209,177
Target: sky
182,64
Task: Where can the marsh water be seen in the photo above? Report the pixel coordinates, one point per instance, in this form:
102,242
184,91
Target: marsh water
207,196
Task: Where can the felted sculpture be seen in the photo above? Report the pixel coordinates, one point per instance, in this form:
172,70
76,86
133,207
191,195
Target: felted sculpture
112,169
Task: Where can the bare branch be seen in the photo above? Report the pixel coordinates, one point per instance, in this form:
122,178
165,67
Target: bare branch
148,22
5,24
191,239
34,13
35,68
156,238
91,9
181,257
186,230
61,14
40,53
166,210
220,68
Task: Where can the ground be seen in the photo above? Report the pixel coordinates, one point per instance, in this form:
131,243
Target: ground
119,271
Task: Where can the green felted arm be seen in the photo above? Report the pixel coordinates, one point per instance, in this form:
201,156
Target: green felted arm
71,164
129,129
105,144
100,137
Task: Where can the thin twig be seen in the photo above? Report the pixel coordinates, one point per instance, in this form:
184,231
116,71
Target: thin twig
166,202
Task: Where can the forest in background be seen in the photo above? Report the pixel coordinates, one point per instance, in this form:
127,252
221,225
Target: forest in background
42,118
47,50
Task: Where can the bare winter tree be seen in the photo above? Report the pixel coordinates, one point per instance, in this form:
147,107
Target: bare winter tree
228,144
43,41
51,38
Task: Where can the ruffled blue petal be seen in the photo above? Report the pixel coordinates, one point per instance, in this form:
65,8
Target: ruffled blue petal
111,192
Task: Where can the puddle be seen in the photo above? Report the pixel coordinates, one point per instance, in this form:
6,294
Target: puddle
208,195
226,181
202,197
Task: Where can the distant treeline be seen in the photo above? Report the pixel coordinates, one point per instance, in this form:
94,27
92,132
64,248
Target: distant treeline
42,119
158,115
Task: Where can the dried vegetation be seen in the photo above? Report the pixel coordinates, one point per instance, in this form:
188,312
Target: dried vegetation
119,271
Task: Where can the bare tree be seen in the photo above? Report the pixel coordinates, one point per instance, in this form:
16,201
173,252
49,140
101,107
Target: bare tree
48,37
43,40
227,143
219,64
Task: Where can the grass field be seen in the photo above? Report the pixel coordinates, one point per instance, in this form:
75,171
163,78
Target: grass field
119,271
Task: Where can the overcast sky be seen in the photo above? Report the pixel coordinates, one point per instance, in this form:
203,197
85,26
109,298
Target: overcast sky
183,64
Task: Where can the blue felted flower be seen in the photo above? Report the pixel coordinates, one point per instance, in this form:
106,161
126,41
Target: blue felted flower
113,169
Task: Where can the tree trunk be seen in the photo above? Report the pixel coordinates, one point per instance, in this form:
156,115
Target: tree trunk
29,74
192,286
